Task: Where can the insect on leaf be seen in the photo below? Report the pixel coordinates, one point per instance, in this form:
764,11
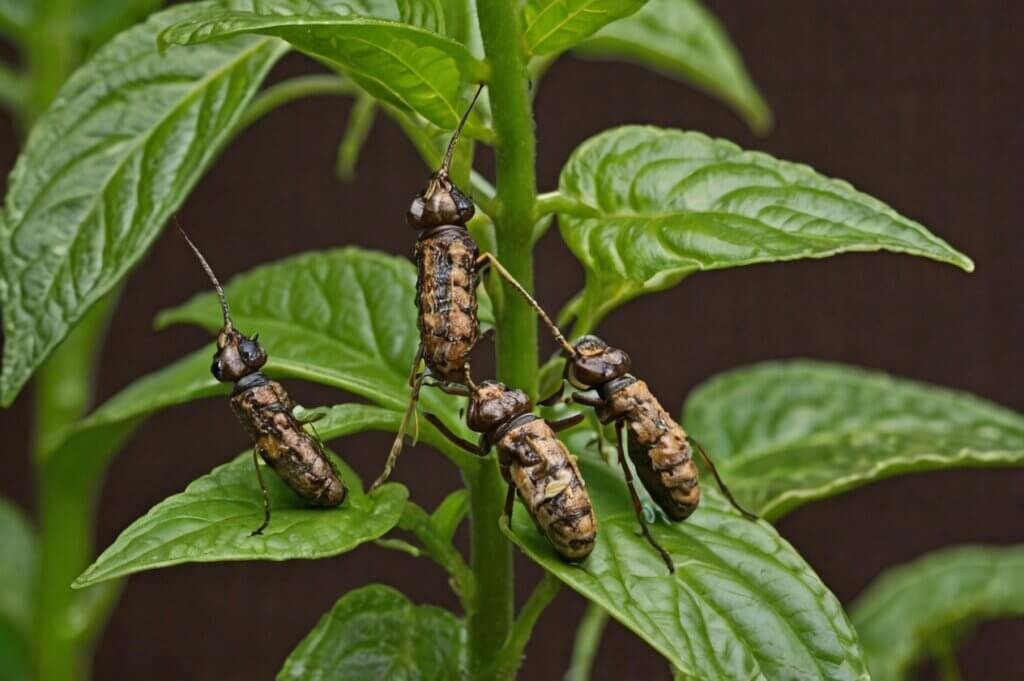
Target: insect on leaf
127,137
741,605
664,204
935,599
213,518
787,433
375,633
402,64
551,26
682,39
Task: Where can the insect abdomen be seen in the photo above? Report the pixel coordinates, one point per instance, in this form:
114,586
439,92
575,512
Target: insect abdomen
659,449
548,481
266,412
446,298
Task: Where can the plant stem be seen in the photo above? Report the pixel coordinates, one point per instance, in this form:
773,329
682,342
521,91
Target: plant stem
587,643
50,53
490,621
511,654
290,90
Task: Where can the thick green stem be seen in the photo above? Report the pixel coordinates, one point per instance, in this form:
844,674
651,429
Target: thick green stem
490,621
50,53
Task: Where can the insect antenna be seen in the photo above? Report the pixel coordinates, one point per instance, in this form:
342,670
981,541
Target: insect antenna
446,161
721,484
209,273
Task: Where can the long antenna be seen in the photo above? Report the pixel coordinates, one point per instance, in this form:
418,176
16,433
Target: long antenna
446,162
209,273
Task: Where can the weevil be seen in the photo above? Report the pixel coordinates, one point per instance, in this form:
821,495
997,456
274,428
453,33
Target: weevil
534,462
266,412
449,267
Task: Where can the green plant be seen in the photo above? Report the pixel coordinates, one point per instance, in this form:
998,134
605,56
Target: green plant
641,208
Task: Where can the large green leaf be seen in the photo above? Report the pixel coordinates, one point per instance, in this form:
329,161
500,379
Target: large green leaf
684,40
914,608
402,64
742,603
375,633
17,568
555,25
654,205
212,519
127,137
785,433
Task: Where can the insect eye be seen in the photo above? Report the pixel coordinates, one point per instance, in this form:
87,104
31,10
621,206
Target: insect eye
250,352
215,369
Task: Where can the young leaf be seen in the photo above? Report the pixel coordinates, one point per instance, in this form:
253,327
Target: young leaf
450,512
556,25
655,205
682,39
376,633
127,137
935,600
742,603
212,519
402,64
785,433
17,568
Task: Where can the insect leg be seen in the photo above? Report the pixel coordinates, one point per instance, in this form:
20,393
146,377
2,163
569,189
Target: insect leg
489,259
566,423
721,483
266,496
595,402
456,440
510,498
410,413
637,506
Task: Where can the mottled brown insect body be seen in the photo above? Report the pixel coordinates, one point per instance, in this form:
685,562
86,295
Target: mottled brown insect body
548,481
265,410
658,446
446,298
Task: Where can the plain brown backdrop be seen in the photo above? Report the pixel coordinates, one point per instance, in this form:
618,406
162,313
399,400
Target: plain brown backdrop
918,103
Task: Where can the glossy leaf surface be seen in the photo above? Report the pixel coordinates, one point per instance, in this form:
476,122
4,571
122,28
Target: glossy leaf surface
375,633
126,139
551,26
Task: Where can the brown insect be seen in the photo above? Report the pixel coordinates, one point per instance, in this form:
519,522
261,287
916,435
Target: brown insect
534,463
660,449
266,412
449,267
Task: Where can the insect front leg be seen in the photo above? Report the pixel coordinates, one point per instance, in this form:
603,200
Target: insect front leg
721,483
566,423
455,439
266,495
415,382
638,508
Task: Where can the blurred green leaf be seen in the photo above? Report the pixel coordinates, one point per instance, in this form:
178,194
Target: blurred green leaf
402,64
651,206
126,139
684,40
15,16
213,518
786,433
17,568
936,599
98,20
13,656
742,603
552,26
449,513
376,633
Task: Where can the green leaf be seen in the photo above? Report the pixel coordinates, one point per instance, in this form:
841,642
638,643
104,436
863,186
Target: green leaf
17,568
13,655
450,513
98,20
15,16
344,318
742,603
935,599
402,64
212,519
556,25
682,39
785,433
376,633
126,139
654,205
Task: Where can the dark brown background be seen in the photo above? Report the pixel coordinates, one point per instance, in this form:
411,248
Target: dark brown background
918,103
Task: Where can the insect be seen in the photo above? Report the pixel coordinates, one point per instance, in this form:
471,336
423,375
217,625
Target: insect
266,412
449,266
534,463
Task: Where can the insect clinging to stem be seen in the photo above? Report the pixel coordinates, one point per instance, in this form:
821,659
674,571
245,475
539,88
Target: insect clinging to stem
266,412
449,266
534,463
